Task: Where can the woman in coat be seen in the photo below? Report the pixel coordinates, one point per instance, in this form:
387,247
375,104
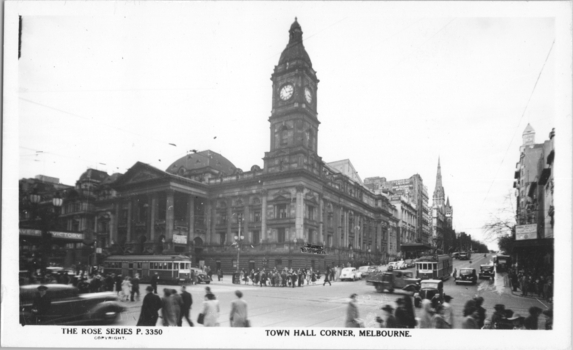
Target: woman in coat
126,288
211,311
439,321
427,314
170,309
470,316
238,317
352,317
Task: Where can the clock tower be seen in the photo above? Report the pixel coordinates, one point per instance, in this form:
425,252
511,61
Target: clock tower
293,122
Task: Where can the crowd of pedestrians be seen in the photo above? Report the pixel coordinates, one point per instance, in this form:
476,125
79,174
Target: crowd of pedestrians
536,282
441,316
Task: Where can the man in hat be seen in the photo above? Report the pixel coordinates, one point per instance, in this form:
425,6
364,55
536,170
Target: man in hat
531,321
389,321
448,311
41,304
481,311
401,314
516,321
149,308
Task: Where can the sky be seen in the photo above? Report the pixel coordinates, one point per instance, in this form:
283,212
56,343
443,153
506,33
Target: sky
397,90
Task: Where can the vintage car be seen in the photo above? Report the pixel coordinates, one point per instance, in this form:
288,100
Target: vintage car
463,256
394,279
349,274
456,255
487,271
466,275
69,307
361,270
372,270
185,276
429,289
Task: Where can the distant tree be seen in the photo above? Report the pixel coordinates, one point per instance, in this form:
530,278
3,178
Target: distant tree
502,223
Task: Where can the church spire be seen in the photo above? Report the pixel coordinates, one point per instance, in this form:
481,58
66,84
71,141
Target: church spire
439,192
439,175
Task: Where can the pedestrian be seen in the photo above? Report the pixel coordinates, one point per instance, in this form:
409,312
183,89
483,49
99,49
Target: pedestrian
410,314
192,276
154,282
126,288
448,311
41,304
326,279
439,321
135,287
516,322
169,311
481,311
470,316
211,311
389,321
427,314
300,277
401,314
186,307
352,317
293,278
118,282
498,317
178,306
208,292
238,316
149,309
220,274
531,321
109,282
548,318
486,324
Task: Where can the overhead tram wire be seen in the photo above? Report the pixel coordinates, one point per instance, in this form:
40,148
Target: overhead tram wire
99,123
517,126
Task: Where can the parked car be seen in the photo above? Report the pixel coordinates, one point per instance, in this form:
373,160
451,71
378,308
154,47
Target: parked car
456,255
429,289
487,271
463,256
372,270
349,273
361,270
466,275
185,276
69,307
394,265
394,279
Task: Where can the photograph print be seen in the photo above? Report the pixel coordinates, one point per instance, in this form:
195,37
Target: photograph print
290,169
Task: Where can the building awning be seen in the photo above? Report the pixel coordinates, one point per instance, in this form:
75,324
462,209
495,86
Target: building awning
545,176
540,242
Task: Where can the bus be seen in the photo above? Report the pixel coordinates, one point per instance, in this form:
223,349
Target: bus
502,262
168,267
434,267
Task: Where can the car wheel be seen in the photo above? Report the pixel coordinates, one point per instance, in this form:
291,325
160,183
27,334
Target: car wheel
379,289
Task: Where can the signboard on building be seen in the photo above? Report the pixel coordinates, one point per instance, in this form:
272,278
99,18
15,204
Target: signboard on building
55,234
179,239
68,235
523,232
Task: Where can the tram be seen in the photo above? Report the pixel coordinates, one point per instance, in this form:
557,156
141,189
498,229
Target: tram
502,262
434,267
168,267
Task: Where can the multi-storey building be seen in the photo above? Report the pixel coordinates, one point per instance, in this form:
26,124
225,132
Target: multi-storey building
534,245
201,202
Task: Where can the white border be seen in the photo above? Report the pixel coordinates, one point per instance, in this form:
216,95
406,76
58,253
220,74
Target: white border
13,335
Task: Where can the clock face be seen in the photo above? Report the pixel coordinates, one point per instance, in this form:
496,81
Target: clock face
308,94
286,92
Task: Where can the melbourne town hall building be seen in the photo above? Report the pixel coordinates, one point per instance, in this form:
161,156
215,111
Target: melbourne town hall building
201,203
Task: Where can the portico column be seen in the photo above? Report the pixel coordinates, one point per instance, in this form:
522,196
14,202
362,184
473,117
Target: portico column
152,216
111,225
191,208
115,222
321,237
228,234
129,215
264,215
169,215
245,223
299,219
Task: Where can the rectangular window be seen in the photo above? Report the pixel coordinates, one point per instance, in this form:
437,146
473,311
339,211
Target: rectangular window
278,262
310,211
281,235
234,263
169,266
257,216
256,238
176,266
281,210
222,237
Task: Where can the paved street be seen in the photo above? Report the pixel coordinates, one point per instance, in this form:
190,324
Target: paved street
318,306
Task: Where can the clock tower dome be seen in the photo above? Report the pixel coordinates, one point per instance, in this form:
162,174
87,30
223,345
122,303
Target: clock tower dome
293,121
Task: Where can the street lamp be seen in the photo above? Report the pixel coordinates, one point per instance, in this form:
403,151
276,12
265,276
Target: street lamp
238,239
